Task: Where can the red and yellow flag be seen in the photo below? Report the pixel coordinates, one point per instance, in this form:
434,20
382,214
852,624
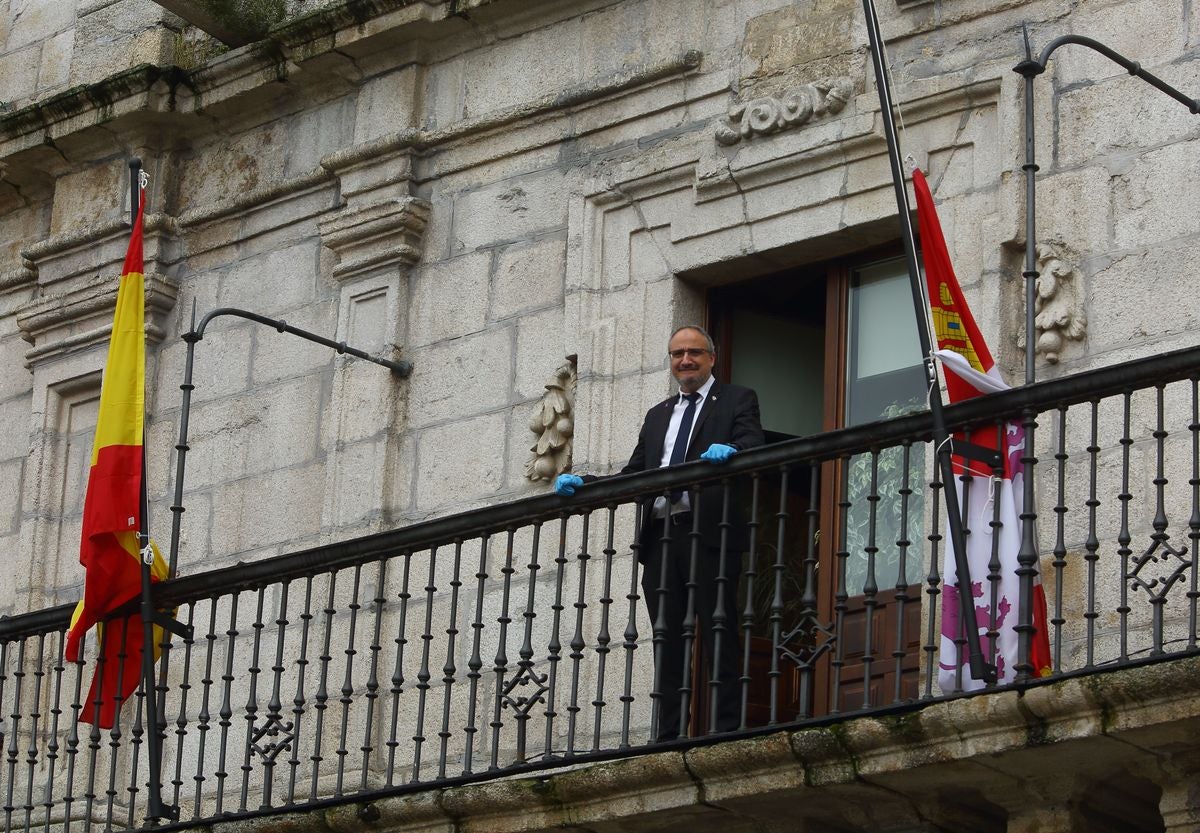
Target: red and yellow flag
109,550
970,371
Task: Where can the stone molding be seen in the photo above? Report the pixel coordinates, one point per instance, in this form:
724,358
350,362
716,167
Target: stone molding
258,198
771,114
384,234
76,274
50,323
553,422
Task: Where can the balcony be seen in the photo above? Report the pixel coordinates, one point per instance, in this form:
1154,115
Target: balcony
403,679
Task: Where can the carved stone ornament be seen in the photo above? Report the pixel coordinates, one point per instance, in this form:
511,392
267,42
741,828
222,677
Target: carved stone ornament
553,422
762,116
1059,315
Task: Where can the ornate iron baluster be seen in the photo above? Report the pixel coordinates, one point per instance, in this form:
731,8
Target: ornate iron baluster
994,577
1091,546
630,643
226,711
659,625
423,677
778,640
275,735
449,669
691,616
397,680
298,701
1194,522
1027,554
135,747
52,747
816,637
115,734
840,596
1160,552
870,587
500,662
555,646
321,698
35,716
960,638
748,610
181,718
1060,547
720,627
521,704
900,652
603,637
1123,537
475,663
933,585
372,692
14,731
577,643
251,708
203,718
347,692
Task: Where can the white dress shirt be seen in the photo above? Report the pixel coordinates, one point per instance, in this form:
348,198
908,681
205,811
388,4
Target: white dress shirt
684,502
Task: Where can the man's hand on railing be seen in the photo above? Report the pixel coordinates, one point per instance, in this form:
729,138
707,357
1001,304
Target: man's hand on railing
566,484
718,453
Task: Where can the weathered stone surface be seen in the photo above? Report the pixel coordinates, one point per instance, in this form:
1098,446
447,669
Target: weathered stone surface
461,377
449,299
527,277
450,456
509,210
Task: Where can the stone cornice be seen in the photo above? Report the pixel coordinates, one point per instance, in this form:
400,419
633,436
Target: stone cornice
86,236
248,200
43,321
130,91
420,140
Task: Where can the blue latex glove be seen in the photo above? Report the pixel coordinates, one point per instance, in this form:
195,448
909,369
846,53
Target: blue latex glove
718,453
566,484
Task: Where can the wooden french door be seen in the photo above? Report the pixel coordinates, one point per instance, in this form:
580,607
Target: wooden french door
829,346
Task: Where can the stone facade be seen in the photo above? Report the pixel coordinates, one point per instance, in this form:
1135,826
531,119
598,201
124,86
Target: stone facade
489,189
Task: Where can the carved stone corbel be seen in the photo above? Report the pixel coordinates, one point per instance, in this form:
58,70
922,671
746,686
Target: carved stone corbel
553,422
771,114
1059,315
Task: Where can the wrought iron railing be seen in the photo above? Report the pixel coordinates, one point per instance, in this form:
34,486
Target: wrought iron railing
516,637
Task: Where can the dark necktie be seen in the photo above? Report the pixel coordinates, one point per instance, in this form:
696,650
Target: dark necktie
681,437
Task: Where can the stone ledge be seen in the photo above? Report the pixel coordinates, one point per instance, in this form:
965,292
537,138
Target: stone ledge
1005,749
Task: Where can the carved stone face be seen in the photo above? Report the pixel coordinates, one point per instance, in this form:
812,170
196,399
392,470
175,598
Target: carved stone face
694,365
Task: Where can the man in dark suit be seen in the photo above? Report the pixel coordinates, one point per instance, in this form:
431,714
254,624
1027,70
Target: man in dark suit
709,421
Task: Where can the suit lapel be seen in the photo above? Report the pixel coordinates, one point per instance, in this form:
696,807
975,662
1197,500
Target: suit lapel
710,405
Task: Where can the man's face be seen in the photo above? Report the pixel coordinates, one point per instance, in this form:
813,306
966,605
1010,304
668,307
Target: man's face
691,360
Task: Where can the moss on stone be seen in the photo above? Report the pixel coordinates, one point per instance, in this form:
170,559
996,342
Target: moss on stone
253,17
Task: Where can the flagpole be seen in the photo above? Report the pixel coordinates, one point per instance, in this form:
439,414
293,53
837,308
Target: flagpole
979,666
154,805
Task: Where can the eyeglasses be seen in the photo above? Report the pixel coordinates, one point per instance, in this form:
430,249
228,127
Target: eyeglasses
690,352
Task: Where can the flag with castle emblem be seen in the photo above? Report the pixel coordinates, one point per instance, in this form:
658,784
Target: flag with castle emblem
109,549
970,371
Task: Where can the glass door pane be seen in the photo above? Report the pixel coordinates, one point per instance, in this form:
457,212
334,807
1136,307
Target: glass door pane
884,378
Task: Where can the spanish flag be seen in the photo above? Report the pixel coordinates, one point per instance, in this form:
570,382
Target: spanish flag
112,508
970,371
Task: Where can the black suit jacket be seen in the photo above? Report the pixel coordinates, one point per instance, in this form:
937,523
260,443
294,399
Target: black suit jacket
730,416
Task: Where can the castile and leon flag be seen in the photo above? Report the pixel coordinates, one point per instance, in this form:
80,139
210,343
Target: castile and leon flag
970,371
109,548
